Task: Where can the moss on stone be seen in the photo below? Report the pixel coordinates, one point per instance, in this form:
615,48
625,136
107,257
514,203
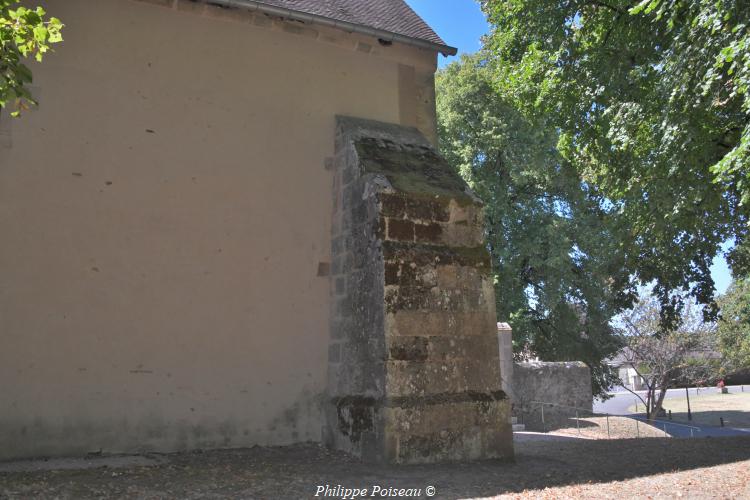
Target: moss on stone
416,170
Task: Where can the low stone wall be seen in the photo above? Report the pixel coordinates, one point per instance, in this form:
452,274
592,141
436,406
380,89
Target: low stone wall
566,384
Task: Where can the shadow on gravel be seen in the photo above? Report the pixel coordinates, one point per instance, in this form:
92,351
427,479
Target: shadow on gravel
297,471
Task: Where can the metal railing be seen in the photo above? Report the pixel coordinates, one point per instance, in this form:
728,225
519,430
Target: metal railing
692,428
579,413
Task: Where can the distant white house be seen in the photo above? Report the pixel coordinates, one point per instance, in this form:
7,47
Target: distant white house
627,373
629,378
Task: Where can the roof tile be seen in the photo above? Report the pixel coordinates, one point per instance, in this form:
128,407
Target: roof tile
394,16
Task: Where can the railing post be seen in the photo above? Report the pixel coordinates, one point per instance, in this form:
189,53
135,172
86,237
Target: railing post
608,434
637,429
578,427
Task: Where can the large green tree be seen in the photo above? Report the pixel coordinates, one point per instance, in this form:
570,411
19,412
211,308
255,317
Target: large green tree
651,102
559,272
734,324
24,33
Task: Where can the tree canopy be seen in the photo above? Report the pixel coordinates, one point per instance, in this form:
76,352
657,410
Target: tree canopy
24,33
651,103
559,271
734,325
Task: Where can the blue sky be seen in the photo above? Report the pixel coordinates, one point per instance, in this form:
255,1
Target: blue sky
461,24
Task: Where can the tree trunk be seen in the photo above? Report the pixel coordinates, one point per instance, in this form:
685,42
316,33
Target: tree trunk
659,401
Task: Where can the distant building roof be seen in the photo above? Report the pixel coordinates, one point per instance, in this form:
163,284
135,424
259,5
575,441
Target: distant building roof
392,17
625,354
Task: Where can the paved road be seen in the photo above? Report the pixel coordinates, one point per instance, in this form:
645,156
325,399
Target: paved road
620,403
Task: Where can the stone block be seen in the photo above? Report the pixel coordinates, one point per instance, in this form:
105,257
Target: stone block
336,245
438,323
340,285
447,276
400,230
334,353
409,348
393,205
421,255
392,273
463,213
429,233
410,275
476,348
462,235
453,277
324,269
415,298
448,431
414,377
426,209
422,415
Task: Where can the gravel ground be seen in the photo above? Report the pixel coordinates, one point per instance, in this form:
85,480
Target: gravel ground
556,468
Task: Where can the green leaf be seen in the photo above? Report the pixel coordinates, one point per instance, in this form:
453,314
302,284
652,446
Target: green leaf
24,33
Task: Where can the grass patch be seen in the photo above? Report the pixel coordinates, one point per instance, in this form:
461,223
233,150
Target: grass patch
707,409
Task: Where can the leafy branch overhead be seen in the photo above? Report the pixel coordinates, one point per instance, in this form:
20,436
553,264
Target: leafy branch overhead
24,33
651,101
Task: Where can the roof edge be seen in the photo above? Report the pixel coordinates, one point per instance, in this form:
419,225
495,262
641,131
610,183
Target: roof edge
254,5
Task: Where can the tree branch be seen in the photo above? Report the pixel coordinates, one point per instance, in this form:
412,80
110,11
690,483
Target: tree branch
597,3
635,394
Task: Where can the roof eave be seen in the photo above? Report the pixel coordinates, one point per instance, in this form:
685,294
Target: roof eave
254,5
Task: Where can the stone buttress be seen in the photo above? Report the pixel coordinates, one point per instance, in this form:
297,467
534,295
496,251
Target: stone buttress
413,373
